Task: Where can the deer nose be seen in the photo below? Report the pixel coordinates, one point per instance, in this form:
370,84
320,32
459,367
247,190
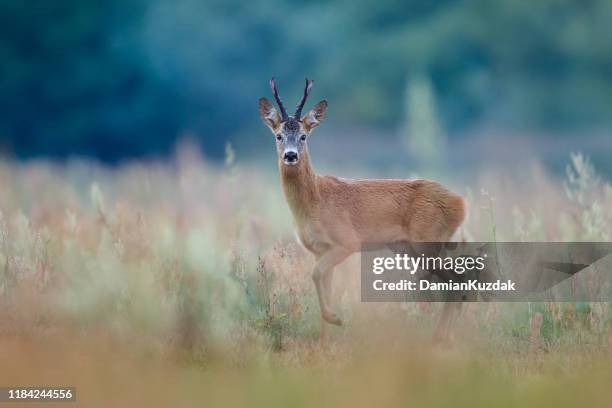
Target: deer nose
290,156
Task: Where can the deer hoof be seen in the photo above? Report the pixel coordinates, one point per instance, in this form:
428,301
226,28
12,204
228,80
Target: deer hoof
332,318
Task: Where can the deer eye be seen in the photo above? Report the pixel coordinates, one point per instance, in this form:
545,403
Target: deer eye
303,138
279,137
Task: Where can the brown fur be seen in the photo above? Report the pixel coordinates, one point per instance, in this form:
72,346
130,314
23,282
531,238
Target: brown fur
334,217
330,211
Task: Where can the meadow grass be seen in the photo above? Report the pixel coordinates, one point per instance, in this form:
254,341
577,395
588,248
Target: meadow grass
180,283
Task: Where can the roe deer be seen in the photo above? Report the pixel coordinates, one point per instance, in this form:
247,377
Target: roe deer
335,216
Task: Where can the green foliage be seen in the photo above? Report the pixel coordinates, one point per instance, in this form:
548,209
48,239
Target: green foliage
75,81
128,77
422,131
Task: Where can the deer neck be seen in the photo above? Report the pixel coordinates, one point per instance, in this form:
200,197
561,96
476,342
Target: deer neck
299,184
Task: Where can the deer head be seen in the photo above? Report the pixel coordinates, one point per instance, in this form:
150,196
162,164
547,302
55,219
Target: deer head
291,131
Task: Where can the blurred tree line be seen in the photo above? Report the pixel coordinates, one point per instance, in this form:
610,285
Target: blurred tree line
124,78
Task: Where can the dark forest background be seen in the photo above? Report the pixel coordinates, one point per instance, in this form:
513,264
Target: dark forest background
127,78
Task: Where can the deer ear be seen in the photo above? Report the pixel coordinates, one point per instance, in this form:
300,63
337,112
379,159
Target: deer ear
314,118
269,114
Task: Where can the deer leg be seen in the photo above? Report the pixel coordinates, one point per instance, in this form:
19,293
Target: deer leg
321,276
450,310
328,280
327,287
452,323
443,331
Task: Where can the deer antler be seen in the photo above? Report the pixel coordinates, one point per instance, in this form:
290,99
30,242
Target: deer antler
278,99
298,111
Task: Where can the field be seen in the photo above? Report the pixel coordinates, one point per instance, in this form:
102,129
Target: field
179,283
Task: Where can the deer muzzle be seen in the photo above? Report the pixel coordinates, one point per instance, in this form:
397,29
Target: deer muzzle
290,157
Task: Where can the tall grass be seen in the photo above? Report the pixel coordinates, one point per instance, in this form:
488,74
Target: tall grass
192,270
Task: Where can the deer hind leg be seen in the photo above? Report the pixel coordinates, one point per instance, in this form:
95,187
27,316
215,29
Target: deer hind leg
450,310
322,277
444,328
455,313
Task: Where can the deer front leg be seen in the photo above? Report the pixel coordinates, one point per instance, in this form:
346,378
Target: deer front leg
328,281
321,276
326,286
